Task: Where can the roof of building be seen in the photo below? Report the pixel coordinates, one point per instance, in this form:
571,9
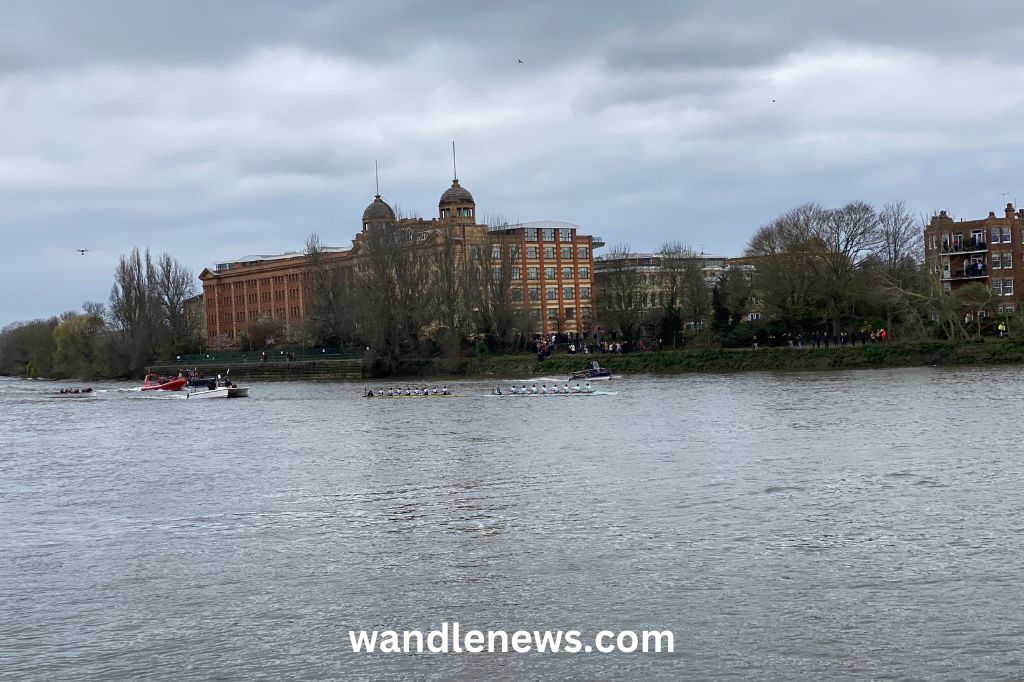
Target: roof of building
557,224
648,256
456,194
254,259
378,211
536,224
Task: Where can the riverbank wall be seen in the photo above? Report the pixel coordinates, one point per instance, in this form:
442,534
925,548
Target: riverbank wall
911,354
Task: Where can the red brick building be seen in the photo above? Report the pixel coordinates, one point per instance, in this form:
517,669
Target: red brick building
988,251
552,270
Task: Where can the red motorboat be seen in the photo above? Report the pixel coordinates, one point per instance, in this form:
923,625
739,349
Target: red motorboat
158,383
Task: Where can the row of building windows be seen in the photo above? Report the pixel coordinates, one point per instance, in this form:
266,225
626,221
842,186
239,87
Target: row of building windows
533,273
243,315
958,241
568,293
261,281
570,313
547,234
459,212
263,297
551,273
533,252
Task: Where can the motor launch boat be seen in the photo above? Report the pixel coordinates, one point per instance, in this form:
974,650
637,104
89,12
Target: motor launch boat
153,382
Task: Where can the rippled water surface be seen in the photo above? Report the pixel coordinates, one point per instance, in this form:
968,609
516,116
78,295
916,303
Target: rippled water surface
855,525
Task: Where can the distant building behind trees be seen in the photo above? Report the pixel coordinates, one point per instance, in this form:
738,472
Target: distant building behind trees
661,296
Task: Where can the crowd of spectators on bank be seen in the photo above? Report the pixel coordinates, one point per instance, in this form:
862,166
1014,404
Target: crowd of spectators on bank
821,339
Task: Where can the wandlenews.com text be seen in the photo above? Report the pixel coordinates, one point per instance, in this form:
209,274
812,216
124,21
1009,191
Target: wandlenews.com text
454,639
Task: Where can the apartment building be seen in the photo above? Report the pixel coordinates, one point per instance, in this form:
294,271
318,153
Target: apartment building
988,251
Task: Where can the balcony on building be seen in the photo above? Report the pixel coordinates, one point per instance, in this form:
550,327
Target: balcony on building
972,271
972,245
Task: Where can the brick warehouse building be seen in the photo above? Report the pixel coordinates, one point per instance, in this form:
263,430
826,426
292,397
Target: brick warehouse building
552,270
988,251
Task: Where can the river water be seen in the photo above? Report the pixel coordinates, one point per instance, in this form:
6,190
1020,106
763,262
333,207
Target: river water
848,525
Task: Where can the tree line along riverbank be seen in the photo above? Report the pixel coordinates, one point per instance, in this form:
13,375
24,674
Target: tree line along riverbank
908,354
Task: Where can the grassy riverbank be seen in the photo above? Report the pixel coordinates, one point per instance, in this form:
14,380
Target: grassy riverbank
916,354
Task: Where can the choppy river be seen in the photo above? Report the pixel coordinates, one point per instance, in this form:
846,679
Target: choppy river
854,525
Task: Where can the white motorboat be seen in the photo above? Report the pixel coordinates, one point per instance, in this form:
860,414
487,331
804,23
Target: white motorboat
219,392
219,388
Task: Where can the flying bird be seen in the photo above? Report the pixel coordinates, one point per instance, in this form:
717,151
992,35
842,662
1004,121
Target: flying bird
520,60
82,251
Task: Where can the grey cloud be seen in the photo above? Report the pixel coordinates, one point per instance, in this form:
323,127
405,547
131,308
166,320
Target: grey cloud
638,36
214,129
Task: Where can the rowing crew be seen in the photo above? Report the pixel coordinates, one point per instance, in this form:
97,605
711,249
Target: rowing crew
407,391
544,390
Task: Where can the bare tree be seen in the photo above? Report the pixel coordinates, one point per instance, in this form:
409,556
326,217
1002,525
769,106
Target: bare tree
328,318
266,330
676,261
500,310
135,309
390,284
783,252
847,237
731,296
173,286
623,292
913,298
973,300
679,290
453,289
901,238
899,260
696,302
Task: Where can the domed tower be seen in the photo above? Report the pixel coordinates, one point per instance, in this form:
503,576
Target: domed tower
377,212
457,204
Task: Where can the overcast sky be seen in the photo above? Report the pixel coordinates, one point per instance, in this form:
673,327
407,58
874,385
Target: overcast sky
214,130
